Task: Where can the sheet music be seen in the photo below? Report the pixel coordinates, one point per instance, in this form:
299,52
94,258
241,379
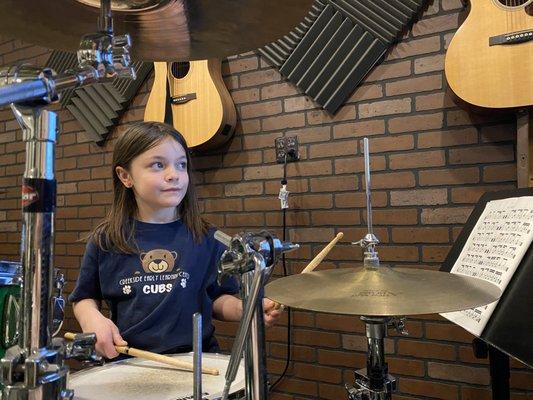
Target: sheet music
493,251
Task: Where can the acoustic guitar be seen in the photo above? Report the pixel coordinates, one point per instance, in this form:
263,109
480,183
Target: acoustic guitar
489,62
202,108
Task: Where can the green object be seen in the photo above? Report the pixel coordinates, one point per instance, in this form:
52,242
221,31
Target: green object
9,304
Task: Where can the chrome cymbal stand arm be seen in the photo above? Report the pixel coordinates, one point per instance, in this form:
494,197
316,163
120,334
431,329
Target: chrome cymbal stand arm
34,368
251,256
370,241
367,186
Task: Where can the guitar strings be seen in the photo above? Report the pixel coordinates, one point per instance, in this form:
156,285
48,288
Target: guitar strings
508,15
515,21
513,16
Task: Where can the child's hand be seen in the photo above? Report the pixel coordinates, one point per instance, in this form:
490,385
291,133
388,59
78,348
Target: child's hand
272,312
107,336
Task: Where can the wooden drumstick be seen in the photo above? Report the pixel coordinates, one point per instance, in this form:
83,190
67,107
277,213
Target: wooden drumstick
318,258
148,355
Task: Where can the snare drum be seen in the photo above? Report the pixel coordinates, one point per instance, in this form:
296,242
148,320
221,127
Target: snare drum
133,379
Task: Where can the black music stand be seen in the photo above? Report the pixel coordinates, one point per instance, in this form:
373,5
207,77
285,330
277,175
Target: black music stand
508,331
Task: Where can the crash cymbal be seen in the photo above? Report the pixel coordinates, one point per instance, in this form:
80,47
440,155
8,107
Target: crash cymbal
382,291
161,30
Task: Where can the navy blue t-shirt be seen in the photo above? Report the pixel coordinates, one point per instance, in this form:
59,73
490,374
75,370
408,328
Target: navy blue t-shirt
153,295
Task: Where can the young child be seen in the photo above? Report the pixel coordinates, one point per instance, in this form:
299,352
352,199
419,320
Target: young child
153,258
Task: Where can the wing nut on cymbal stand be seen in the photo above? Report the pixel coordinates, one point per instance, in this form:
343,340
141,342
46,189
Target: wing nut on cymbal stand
369,242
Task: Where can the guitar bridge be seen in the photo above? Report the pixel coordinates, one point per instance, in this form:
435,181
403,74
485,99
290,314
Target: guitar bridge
511,38
183,99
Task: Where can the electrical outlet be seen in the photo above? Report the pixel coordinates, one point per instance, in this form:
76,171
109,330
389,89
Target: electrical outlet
287,146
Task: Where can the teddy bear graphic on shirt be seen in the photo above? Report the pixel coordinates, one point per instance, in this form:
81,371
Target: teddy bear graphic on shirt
158,261
161,274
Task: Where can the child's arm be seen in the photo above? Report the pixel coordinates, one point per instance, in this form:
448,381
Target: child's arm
229,308
91,319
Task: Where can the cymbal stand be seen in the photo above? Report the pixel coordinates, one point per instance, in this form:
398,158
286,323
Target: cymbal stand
374,382
252,257
34,368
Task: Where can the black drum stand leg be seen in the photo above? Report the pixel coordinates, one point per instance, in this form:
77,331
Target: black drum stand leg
499,368
499,374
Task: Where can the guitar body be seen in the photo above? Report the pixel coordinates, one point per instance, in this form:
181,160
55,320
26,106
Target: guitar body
498,75
156,104
202,108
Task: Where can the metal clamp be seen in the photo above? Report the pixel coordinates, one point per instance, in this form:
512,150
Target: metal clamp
106,53
242,248
252,256
82,348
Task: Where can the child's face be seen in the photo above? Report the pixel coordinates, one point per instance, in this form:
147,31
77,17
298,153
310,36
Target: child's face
158,177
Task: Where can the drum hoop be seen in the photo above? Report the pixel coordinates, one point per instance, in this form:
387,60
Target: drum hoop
238,394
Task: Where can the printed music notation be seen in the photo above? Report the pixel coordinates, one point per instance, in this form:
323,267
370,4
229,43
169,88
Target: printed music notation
493,251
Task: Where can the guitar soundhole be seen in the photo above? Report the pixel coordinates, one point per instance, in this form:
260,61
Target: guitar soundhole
513,3
180,69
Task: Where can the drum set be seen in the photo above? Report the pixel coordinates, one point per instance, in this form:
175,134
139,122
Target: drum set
34,368
381,295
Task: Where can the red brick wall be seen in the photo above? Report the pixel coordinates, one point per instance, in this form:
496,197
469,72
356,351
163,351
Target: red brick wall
431,159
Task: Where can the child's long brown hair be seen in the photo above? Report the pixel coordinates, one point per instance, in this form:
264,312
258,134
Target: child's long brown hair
116,231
